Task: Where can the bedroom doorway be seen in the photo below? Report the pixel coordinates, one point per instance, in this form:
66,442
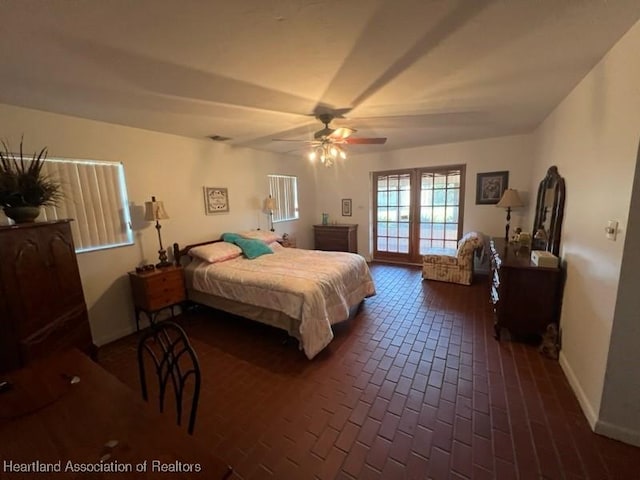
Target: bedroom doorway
416,209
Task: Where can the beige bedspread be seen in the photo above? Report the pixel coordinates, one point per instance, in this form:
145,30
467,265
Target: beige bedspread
318,288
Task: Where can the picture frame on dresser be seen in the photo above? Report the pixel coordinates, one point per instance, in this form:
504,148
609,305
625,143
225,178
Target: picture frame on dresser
490,186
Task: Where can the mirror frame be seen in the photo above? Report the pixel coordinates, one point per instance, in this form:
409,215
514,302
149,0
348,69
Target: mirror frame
552,182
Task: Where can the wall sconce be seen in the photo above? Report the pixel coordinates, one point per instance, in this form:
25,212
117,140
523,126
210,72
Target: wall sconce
270,205
154,210
510,199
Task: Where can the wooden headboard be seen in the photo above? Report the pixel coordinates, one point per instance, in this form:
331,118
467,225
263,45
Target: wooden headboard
178,252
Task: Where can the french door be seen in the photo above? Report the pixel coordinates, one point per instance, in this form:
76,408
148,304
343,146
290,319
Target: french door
416,209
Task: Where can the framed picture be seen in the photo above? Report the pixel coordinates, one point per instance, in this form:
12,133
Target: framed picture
490,187
216,200
346,207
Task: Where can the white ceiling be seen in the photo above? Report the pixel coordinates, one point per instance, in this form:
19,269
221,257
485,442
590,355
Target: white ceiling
416,71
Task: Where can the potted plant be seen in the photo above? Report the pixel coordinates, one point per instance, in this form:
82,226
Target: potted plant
24,188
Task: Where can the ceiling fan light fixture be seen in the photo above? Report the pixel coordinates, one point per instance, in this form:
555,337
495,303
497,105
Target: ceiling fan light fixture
327,153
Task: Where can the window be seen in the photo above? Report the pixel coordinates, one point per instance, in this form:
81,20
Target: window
284,191
95,196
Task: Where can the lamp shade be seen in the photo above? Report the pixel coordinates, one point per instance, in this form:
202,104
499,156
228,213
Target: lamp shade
510,199
269,204
154,210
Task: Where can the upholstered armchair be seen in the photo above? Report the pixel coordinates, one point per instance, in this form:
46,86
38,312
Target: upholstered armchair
449,265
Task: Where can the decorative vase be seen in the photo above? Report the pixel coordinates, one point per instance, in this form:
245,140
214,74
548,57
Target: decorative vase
25,214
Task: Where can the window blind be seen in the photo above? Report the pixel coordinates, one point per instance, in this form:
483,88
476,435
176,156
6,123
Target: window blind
95,196
284,191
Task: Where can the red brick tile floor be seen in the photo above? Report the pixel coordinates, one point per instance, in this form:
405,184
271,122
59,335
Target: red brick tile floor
413,387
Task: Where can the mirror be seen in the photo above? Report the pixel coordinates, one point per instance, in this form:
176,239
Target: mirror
547,224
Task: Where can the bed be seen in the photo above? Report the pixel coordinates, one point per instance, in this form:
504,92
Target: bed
303,292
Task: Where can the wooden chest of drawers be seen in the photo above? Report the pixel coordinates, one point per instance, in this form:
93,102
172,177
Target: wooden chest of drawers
525,297
340,237
156,290
42,306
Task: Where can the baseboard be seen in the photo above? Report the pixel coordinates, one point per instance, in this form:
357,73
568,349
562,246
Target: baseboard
617,432
586,406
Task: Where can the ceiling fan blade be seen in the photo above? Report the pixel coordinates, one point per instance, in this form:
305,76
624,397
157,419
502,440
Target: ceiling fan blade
365,141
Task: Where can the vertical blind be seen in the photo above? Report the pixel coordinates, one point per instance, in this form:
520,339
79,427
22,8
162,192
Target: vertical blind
95,196
284,191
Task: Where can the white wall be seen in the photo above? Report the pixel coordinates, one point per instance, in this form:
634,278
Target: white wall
351,179
592,137
172,168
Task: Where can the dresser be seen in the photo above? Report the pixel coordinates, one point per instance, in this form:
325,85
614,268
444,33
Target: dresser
156,290
342,237
526,298
42,306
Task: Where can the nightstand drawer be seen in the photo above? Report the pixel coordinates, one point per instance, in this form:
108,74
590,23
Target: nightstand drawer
158,282
164,297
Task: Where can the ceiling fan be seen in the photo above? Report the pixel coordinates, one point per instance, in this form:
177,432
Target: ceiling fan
327,143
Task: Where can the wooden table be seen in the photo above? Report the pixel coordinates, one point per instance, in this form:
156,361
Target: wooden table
48,418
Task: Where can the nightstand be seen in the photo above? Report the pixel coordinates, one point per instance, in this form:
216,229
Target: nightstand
156,290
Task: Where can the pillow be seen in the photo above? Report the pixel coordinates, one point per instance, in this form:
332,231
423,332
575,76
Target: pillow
253,248
275,246
264,235
216,252
230,237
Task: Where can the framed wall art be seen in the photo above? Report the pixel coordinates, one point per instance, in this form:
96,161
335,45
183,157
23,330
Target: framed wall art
216,200
490,187
346,207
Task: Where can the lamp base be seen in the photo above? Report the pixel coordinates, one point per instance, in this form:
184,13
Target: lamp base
164,262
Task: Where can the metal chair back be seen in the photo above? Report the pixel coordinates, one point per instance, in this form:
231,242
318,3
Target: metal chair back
175,364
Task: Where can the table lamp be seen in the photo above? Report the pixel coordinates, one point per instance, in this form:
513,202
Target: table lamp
510,199
270,205
154,210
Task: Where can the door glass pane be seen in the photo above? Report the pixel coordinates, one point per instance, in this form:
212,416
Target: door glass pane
451,214
404,214
393,199
453,180
438,231
451,231
405,198
403,245
440,197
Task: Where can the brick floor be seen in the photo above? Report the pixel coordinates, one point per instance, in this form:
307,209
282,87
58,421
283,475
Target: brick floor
414,386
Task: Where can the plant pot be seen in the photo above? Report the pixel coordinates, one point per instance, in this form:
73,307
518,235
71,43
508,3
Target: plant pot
22,214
